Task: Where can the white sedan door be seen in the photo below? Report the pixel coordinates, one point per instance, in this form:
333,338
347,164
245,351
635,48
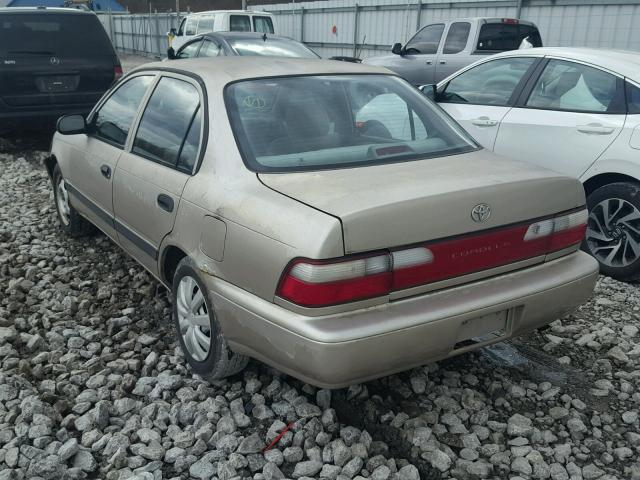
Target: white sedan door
574,112
479,98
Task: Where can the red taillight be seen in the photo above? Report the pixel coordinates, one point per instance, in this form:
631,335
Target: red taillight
316,283
117,72
510,20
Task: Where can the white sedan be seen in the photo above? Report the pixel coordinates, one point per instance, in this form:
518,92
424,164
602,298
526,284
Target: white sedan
574,110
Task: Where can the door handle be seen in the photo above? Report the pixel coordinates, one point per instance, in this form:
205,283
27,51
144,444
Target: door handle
428,62
484,122
106,171
165,202
595,129
442,62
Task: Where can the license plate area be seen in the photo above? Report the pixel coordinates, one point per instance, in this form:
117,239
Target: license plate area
57,83
482,330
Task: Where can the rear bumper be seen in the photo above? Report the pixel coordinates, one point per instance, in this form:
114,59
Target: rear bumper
337,350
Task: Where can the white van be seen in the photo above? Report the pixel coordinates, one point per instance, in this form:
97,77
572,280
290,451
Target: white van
222,21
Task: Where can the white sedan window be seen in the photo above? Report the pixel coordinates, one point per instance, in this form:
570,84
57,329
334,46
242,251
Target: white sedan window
575,87
393,113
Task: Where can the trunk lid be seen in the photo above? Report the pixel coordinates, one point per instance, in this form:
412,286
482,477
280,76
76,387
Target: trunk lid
400,204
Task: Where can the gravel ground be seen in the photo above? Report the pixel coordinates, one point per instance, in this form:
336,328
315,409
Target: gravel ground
93,385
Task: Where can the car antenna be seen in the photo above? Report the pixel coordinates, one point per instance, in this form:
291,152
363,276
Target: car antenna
264,37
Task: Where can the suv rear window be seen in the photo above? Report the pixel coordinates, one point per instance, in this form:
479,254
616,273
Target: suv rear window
55,34
501,37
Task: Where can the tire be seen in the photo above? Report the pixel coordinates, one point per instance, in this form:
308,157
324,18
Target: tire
71,222
218,361
613,230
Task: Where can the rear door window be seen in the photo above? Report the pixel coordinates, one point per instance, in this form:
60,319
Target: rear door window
490,83
61,35
239,23
426,41
210,49
500,37
262,24
578,88
166,120
113,120
457,37
190,50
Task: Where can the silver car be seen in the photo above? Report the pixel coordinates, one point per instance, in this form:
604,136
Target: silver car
322,217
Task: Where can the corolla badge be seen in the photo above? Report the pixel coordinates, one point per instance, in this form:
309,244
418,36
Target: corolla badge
54,61
481,213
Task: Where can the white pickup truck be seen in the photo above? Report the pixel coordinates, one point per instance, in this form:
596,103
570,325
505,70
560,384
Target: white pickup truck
442,48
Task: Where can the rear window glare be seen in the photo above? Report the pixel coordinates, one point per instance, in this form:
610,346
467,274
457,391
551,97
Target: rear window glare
60,35
500,37
320,122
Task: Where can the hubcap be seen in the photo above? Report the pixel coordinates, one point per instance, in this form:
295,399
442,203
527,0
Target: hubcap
193,319
63,202
613,232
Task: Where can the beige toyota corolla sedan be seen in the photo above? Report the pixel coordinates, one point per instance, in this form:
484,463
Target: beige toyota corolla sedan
322,217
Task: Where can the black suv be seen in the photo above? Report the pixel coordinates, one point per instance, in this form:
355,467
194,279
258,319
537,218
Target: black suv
53,61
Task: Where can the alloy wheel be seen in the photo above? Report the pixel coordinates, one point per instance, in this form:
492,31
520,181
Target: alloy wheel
613,232
193,318
62,198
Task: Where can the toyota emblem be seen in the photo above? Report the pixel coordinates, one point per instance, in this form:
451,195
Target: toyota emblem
481,213
54,61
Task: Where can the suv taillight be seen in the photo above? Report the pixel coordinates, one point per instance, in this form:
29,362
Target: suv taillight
319,283
117,72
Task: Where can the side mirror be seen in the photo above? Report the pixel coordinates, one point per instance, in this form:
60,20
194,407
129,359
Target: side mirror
430,91
171,53
71,125
396,49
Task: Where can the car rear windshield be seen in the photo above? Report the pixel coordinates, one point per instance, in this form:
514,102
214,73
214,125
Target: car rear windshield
326,122
61,35
499,37
271,47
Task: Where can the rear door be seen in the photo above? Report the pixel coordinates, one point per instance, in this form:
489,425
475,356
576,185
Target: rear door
571,115
160,159
481,96
454,55
51,59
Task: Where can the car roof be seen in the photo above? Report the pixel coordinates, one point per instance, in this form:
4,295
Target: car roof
45,10
622,62
209,12
244,35
477,19
228,69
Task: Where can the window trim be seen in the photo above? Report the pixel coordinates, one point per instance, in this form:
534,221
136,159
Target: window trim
440,43
526,92
197,82
446,37
112,92
517,92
